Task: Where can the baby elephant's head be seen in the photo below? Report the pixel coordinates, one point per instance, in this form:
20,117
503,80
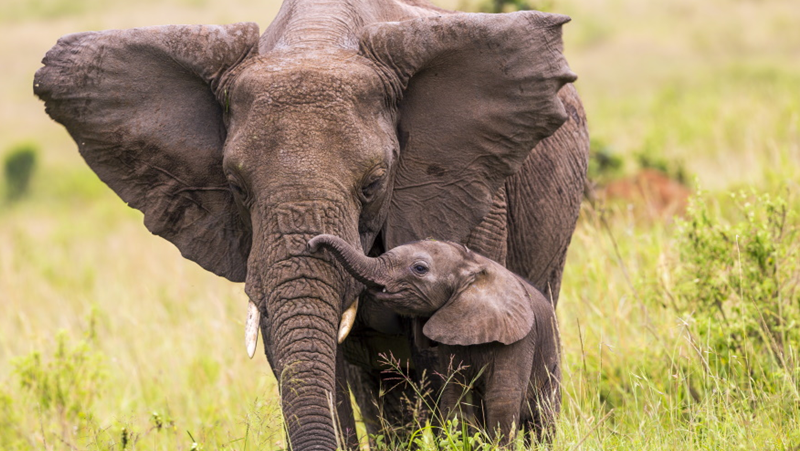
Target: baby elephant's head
469,298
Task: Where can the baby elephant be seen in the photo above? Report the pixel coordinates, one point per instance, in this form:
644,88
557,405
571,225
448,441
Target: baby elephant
482,316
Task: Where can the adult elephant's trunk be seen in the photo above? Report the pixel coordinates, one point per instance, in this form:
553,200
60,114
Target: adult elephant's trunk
369,271
302,298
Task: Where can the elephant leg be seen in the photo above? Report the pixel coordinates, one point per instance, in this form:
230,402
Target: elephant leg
386,403
382,395
543,405
344,408
400,407
452,400
457,401
507,387
550,282
365,392
502,404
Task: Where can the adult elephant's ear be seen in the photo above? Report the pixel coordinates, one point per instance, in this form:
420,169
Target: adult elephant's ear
476,93
142,107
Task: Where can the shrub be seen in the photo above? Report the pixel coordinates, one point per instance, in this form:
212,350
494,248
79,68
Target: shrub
9,419
604,163
738,284
673,168
19,165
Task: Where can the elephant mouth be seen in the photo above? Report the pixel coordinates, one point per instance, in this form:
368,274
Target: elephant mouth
381,294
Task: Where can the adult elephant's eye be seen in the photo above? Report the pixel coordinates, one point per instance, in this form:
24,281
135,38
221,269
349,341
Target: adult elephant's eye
372,184
236,189
369,190
239,192
420,268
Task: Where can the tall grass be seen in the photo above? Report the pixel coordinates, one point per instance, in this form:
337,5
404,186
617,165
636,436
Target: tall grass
674,335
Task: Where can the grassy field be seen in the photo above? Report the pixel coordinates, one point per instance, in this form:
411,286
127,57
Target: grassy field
676,334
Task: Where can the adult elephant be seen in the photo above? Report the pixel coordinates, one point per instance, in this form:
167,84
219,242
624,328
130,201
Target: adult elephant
380,122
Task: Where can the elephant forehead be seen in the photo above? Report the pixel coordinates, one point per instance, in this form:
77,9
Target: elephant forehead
432,251
321,81
441,248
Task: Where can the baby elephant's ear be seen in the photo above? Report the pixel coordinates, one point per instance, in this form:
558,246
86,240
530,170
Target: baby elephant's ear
495,307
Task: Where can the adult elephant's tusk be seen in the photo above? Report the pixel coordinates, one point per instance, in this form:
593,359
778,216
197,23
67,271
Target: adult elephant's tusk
251,328
348,318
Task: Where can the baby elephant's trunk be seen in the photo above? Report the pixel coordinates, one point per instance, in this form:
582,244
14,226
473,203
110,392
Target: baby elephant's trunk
369,271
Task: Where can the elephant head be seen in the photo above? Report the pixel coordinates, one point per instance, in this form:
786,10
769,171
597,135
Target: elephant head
355,120
469,298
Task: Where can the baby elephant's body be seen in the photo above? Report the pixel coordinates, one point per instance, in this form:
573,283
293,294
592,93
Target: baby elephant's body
496,329
517,383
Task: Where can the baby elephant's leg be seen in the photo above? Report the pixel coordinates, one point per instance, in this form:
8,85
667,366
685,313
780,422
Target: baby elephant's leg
543,404
455,399
506,388
503,399
449,404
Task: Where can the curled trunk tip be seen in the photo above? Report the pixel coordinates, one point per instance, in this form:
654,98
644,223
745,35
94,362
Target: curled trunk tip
314,243
369,271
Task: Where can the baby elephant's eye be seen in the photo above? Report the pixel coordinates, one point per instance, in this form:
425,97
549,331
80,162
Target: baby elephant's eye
419,268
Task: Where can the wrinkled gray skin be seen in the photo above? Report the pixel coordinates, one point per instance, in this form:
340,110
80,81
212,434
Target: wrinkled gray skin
355,118
482,316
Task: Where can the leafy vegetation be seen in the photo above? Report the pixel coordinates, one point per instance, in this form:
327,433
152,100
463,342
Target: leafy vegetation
604,163
737,285
675,336
18,166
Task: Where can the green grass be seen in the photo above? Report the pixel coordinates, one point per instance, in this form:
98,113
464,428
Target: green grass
109,339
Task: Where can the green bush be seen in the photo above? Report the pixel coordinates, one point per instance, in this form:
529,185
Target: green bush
9,421
19,166
737,283
605,164
673,168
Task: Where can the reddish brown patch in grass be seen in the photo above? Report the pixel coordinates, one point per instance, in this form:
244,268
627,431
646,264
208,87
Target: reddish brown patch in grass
651,193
